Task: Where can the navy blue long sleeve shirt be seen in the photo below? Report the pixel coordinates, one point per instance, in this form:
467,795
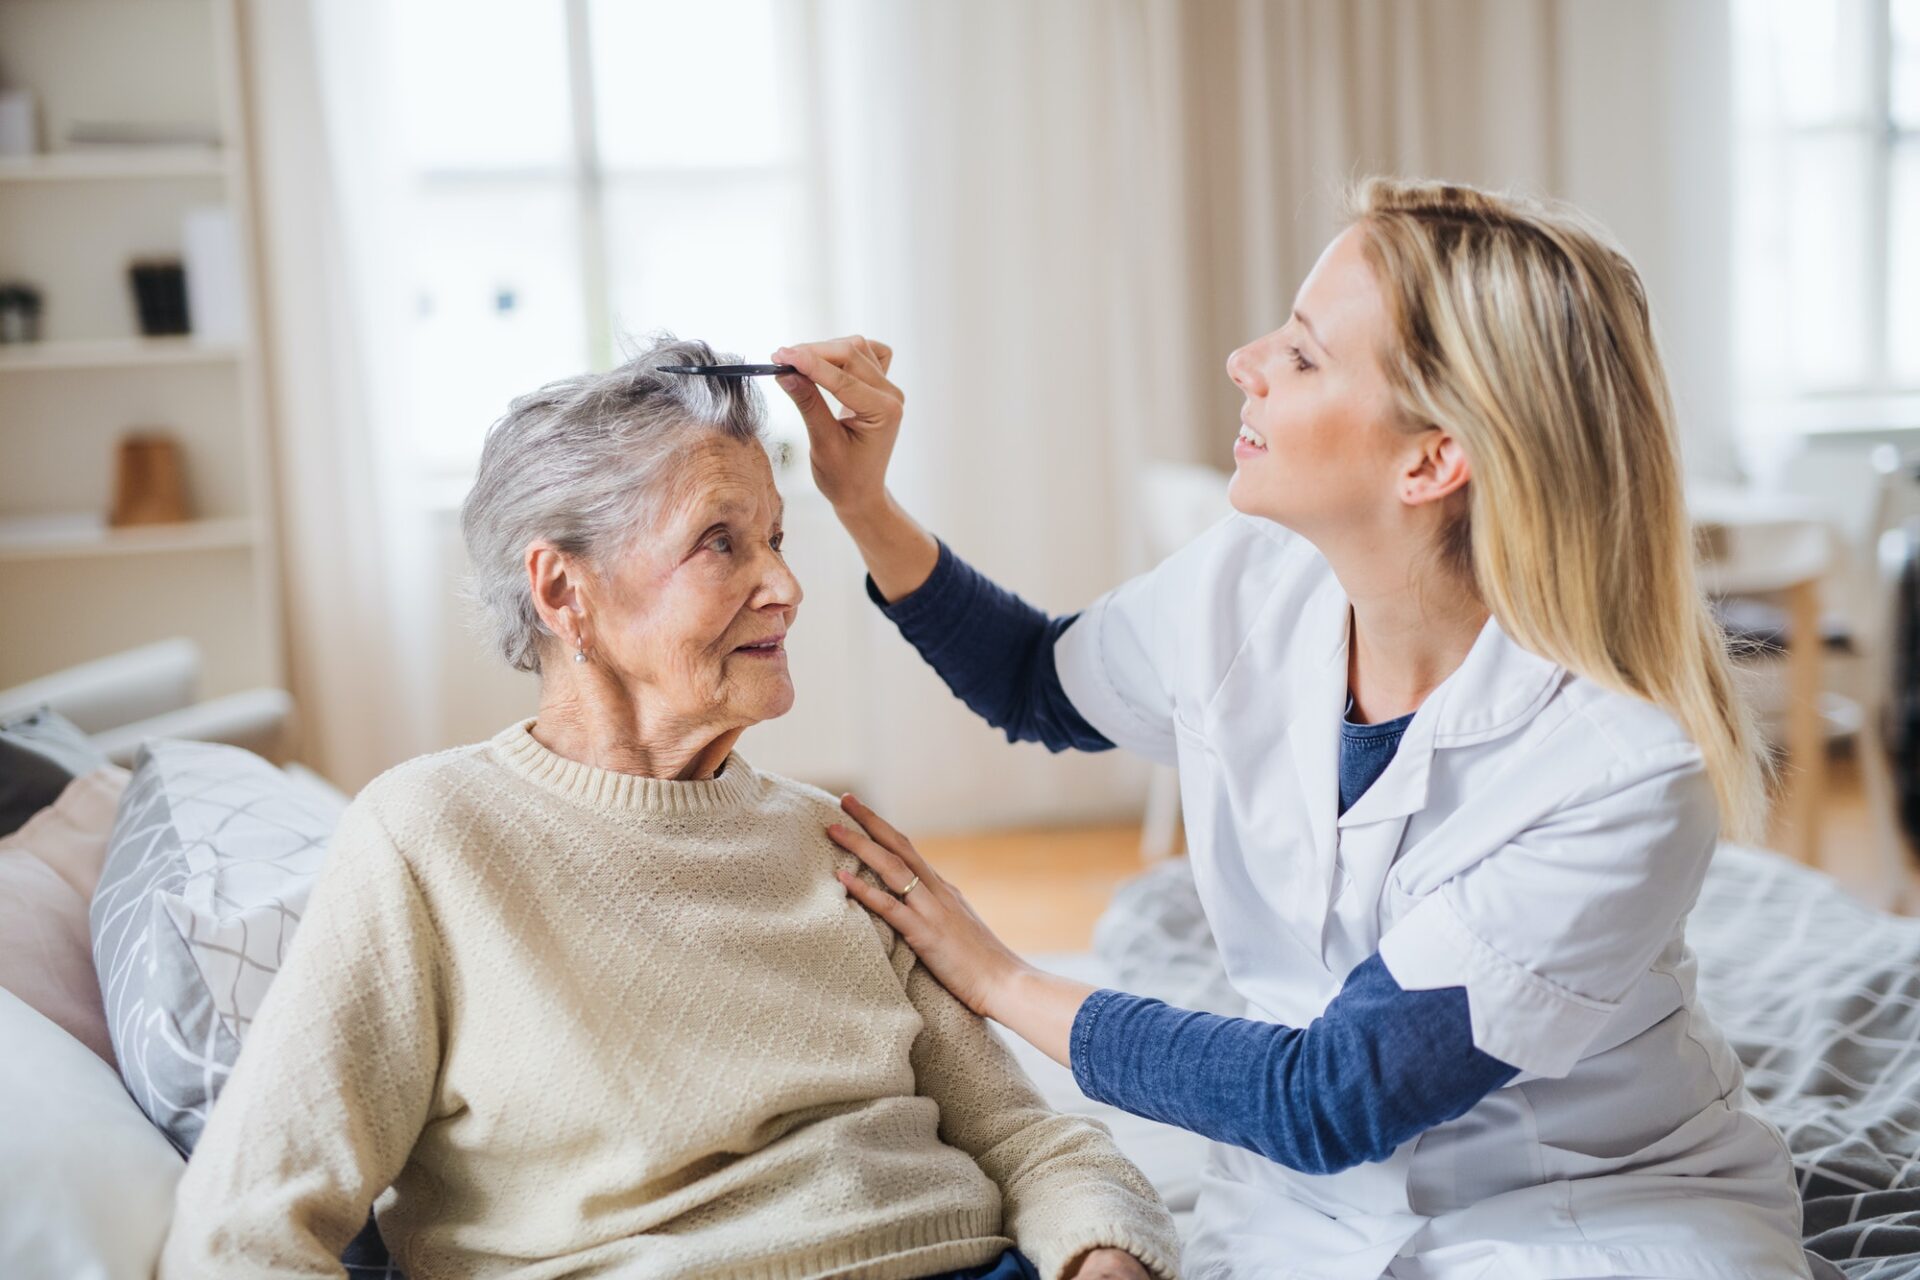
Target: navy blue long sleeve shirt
1381,1066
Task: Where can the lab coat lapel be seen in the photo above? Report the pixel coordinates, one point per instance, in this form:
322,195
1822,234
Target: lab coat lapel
1401,788
1496,689
1319,698
1370,834
1495,692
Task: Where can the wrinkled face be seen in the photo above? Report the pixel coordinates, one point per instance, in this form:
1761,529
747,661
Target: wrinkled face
693,618
1318,451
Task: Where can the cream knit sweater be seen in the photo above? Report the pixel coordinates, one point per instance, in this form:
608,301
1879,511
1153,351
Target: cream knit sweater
590,1024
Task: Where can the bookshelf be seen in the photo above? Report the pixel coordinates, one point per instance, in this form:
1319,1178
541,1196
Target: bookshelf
128,166
114,353
71,219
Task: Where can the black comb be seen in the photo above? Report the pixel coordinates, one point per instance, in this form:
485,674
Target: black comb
730,370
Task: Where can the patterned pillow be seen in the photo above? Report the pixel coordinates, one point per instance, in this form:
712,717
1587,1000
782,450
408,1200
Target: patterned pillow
213,854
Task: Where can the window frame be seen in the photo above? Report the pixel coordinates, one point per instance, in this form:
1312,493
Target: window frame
586,176
1884,137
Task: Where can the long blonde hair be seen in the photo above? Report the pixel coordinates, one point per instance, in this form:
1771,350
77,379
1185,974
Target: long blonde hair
1521,329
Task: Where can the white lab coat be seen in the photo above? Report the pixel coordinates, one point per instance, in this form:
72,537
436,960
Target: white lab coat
1536,840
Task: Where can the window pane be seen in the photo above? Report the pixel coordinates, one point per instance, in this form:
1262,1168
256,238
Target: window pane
1829,260
485,83
716,256
1806,62
497,306
1905,19
1903,268
688,85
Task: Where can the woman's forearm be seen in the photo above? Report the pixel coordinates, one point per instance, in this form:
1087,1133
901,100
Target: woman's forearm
1380,1067
994,650
1039,1008
900,555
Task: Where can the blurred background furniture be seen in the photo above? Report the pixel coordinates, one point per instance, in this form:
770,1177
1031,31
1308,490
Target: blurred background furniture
1771,545
154,691
1890,742
142,153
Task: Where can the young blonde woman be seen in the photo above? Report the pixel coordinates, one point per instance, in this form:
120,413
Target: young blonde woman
1456,737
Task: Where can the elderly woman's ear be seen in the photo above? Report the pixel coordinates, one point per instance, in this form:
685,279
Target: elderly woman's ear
556,581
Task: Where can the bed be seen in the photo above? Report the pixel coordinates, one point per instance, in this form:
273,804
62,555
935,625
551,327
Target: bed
1819,994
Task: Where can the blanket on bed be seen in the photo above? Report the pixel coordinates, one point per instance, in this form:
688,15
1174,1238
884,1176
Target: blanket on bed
1821,998
1819,994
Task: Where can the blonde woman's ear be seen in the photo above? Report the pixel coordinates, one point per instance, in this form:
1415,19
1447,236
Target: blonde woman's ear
1440,470
1454,469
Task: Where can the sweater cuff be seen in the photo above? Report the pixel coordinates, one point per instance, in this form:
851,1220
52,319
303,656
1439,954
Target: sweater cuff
1160,1256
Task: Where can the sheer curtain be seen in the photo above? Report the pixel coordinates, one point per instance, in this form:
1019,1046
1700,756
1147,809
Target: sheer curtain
353,663
998,207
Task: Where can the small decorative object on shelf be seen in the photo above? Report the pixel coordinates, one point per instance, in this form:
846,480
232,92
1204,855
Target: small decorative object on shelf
216,295
19,124
149,484
19,313
160,296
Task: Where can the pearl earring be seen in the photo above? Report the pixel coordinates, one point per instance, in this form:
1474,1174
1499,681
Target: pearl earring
580,655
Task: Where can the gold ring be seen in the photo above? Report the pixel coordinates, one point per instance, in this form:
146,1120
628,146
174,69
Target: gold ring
911,886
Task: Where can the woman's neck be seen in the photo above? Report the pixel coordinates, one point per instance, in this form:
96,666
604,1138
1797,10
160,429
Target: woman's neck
609,730
1406,636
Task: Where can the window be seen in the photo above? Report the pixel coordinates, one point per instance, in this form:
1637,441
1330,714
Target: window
1827,201
575,174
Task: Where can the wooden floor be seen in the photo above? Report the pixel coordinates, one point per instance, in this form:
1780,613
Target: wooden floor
1043,890
1040,890
1850,845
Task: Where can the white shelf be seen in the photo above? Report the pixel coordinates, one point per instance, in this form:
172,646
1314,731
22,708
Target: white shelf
131,164
73,216
63,536
111,353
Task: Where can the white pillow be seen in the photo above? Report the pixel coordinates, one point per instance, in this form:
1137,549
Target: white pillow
86,1183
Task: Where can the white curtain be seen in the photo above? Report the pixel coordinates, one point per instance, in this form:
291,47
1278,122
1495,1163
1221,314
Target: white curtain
354,657
1000,209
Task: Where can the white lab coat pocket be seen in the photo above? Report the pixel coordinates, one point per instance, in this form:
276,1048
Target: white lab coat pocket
1396,902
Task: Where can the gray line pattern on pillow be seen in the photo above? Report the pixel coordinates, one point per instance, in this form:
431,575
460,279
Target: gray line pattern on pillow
213,854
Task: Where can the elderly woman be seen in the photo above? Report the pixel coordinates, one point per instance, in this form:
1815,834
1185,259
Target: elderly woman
587,996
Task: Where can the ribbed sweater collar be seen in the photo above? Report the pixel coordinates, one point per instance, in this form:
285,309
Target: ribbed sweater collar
735,787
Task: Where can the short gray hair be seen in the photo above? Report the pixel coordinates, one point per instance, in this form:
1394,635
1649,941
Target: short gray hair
583,463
